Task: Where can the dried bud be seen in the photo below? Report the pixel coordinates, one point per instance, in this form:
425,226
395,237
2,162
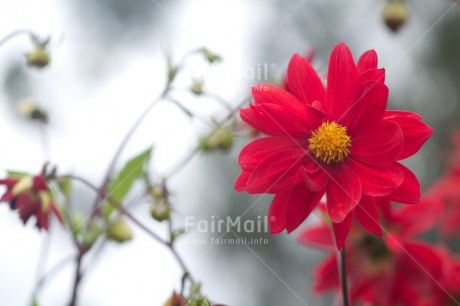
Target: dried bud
175,300
221,138
395,14
119,231
197,87
160,211
29,109
38,58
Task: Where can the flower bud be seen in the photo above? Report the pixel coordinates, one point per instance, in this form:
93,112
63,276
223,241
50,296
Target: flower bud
175,300
119,231
221,138
160,211
38,58
29,109
198,302
197,87
395,14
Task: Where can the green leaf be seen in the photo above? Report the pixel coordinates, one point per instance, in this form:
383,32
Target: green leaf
16,174
65,186
177,233
185,110
34,302
133,170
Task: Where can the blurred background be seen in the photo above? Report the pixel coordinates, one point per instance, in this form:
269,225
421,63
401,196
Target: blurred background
108,64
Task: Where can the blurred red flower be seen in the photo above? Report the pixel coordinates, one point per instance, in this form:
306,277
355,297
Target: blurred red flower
339,141
30,196
397,269
446,190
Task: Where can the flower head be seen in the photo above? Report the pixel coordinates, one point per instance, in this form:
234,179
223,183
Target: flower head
337,140
31,197
396,269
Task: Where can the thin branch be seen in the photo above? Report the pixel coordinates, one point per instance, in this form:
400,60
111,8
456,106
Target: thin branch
117,205
17,33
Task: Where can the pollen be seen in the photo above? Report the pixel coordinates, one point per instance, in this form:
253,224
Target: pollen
330,143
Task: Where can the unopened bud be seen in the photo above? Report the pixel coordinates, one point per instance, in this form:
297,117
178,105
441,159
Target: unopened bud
221,138
198,302
39,57
395,14
197,87
119,231
160,211
29,109
175,300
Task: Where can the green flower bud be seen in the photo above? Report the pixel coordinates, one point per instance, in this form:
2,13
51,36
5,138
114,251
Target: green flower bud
221,138
119,231
395,14
160,211
38,58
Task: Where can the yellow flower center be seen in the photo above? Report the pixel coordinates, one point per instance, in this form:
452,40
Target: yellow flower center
330,142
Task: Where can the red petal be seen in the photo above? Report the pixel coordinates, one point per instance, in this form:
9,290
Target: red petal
303,81
422,217
415,132
327,275
380,145
389,114
409,191
8,196
56,212
341,230
422,260
377,180
40,182
242,181
266,93
341,75
275,120
319,236
315,178
42,219
276,214
367,215
367,108
275,172
343,192
26,206
254,152
299,204
8,182
367,61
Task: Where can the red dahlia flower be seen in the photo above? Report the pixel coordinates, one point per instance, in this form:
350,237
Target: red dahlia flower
30,196
446,190
339,141
394,270
447,290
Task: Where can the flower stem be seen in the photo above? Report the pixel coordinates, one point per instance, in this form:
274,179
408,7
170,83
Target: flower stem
343,275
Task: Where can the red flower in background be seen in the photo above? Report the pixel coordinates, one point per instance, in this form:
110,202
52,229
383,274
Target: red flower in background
339,141
30,196
446,189
394,270
447,290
